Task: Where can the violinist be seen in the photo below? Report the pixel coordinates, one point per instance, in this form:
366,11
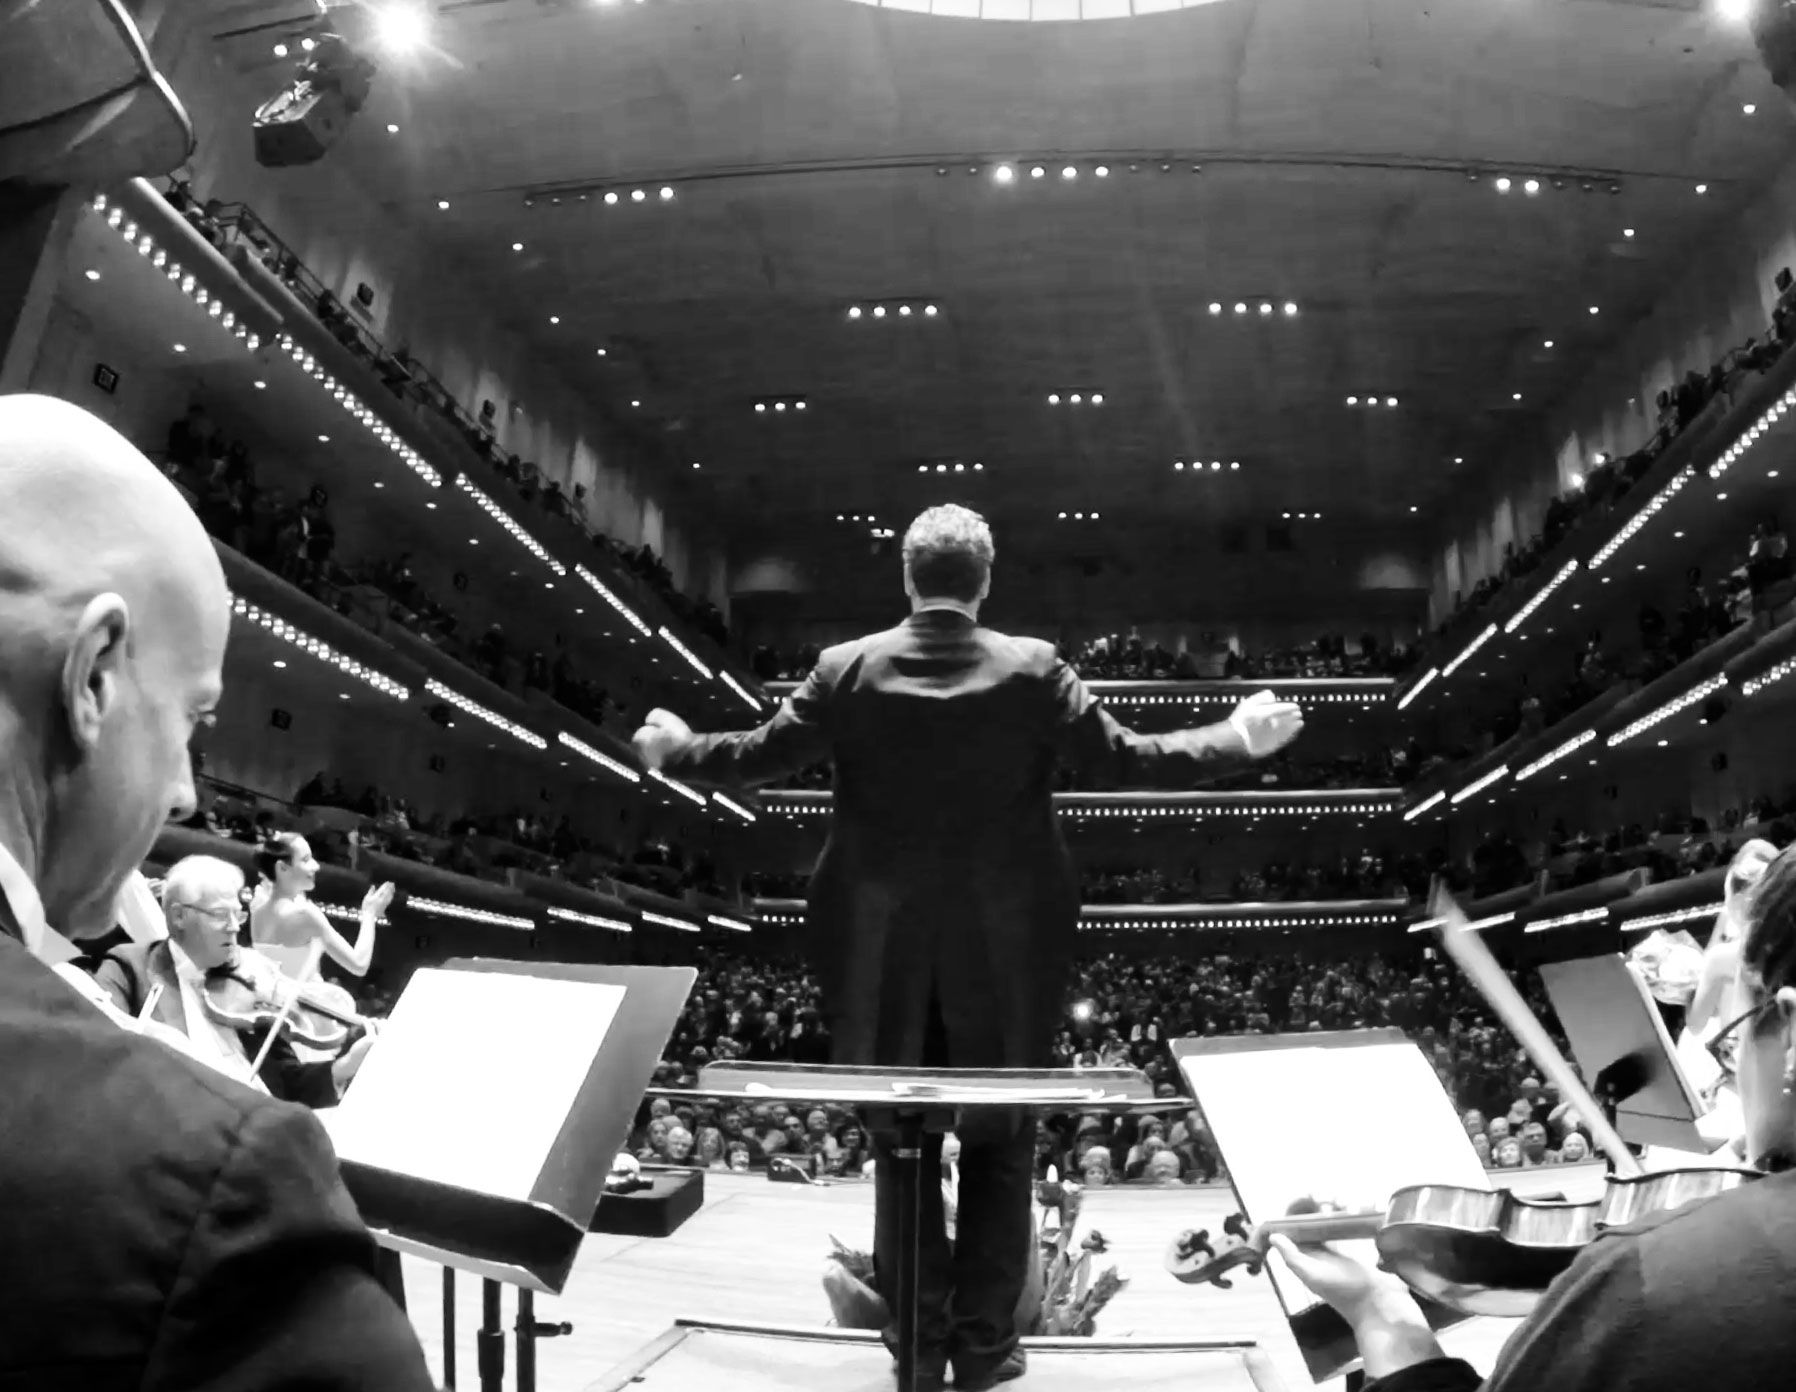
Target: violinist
1700,1296
202,900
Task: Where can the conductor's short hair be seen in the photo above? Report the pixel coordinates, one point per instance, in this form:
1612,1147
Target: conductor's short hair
948,553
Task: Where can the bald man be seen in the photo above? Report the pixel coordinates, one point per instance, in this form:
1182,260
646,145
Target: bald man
161,1226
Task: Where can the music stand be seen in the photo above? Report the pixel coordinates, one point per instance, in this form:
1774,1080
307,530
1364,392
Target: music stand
913,1102
480,1133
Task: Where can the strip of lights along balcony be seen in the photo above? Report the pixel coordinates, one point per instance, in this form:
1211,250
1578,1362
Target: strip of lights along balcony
1554,755
1753,433
493,718
318,648
748,697
1647,922
1477,925
507,521
1352,802
357,408
586,920
599,588
730,804
692,795
1569,920
1365,693
665,921
442,908
1701,691
604,761
667,637
188,284
1160,918
1753,685
1433,800
1522,615
1416,690
735,925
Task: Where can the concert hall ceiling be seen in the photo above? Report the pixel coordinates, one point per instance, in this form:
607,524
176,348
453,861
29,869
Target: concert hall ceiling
1341,157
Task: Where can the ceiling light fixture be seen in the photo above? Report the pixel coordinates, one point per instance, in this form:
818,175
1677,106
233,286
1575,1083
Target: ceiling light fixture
1627,232
442,205
93,274
517,246
1749,108
637,195
1036,171
1702,188
392,129
1003,174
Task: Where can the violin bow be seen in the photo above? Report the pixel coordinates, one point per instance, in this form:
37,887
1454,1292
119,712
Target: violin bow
1463,944
306,973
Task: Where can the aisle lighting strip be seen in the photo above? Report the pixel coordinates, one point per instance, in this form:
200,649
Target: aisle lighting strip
444,909
1676,485
1478,785
586,920
604,761
1566,571
1567,920
1434,799
318,648
1753,685
722,801
1477,925
754,701
1571,746
734,925
597,587
511,524
691,794
1699,692
1470,648
493,718
1752,434
1665,920
183,279
353,404
1416,690
666,636
667,922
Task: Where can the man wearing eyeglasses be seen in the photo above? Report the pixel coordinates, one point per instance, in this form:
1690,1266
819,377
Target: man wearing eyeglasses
202,900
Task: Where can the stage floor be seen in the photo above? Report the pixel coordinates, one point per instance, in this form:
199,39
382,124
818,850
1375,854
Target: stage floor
755,1254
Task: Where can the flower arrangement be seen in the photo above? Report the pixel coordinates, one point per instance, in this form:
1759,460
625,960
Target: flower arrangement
1061,1298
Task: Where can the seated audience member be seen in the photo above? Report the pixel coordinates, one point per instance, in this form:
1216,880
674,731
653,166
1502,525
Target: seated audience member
1699,1296
164,1227
202,900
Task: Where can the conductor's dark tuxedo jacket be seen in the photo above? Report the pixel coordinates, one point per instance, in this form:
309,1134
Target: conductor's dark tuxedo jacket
163,1229
945,871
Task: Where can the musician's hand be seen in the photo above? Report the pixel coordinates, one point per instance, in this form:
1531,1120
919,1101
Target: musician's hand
1266,724
343,1071
1388,1325
1350,1286
377,901
661,734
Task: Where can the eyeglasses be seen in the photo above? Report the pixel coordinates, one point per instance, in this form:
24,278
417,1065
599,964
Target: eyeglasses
1724,1048
235,914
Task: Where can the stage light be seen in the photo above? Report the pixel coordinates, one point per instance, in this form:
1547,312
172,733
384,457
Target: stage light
1036,171
442,205
1097,398
879,311
180,347
666,194
261,385
1265,308
517,246
1737,10
280,50
1702,189
93,274
930,311
904,311
1353,401
1071,171
1240,308
1074,398
611,198
1053,398
401,28
554,318
1390,401
1215,308
1003,174
1515,396
1103,171
1503,184
854,311
392,129
1748,109
1547,344
1595,310
637,195
1290,309
1627,232
1532,187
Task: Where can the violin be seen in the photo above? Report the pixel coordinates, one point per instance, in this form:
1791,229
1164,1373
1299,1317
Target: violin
1476,1251
253,994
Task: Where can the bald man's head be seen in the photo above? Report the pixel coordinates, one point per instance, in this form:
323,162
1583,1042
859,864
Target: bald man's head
113,619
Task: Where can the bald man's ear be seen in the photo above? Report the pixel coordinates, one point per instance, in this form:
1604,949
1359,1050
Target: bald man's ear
93,669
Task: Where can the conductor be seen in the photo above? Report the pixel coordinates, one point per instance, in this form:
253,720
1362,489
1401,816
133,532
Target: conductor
943,912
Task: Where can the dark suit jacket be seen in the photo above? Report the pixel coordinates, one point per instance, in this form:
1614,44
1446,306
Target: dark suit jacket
945,872
131,971
164,1229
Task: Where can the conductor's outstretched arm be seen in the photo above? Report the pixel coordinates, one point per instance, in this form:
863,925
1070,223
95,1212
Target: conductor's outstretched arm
793,739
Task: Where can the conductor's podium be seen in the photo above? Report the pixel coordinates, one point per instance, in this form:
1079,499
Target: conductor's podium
701,1356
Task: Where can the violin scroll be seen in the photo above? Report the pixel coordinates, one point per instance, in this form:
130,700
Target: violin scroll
1195,1260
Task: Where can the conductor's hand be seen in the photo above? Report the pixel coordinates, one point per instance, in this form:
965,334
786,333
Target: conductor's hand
661,734
1266,724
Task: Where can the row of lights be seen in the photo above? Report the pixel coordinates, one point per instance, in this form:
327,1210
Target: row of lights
1421,685
958,466
1216,466
1373,402
1007,173
1670,917
1301,516
1434,799
1103,925
1750,437
303,359
1476,925
897,311
692,795
795,802
692,659
586,920
1228,699
666,921
729,804
1701,691
780,404
752,701
1478,785
510,523
1673,486
1471,648
1532,185
189,285
595,756
318,648
444,909
1553,756
1568,920
1076,398
1266,309
611,198
493,718
603,591
735,925
1521,616
1078,516
1753,685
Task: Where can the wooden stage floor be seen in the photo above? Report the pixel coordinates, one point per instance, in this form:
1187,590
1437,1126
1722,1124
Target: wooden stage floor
755,1253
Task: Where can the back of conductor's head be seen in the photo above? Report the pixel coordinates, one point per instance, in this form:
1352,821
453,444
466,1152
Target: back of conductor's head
948,556
113,622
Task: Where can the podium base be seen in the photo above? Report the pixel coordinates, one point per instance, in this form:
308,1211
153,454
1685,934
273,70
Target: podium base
701,1356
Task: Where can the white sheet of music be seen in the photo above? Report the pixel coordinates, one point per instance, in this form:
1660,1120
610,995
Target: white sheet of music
1347,1126
473,1076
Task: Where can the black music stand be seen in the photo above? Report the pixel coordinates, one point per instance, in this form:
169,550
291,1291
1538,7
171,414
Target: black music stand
526,1231
913,1102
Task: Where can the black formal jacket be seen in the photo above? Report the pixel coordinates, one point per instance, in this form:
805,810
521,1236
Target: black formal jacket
164,1229
945,872
131,971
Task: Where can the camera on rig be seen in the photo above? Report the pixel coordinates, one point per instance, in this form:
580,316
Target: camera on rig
303,121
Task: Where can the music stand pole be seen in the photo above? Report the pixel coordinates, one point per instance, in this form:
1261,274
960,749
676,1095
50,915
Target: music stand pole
449,1328
490,1341
530,1329
908,1157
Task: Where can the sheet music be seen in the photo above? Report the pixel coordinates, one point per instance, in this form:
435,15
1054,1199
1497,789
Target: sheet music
473,1076
1348,1126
